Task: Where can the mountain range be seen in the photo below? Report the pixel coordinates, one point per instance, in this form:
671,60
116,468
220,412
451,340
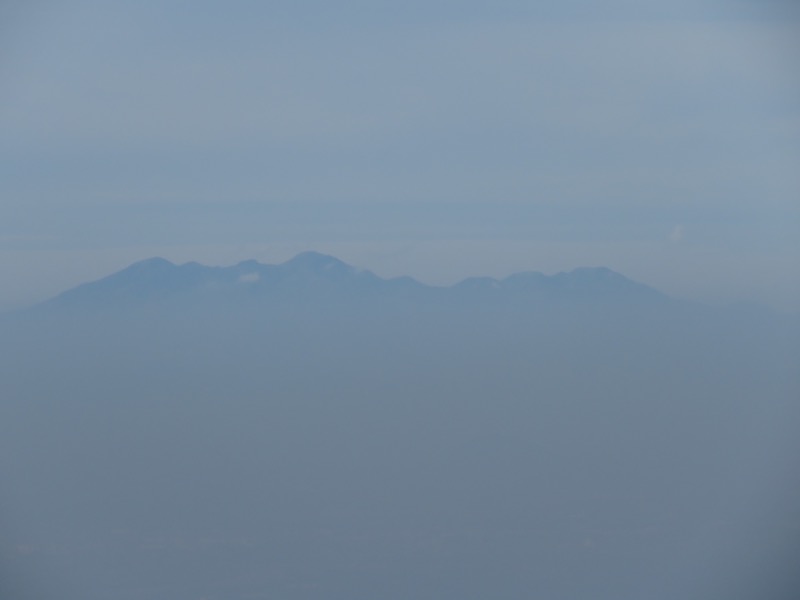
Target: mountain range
314,277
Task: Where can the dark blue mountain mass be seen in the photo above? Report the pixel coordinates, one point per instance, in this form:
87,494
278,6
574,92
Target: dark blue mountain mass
315,277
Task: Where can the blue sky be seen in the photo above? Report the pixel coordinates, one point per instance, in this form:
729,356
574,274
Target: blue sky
438,139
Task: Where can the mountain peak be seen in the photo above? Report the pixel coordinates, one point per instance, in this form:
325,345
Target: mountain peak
155,263
313,259
596,274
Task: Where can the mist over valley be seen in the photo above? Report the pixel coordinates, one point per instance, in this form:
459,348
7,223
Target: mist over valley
310,430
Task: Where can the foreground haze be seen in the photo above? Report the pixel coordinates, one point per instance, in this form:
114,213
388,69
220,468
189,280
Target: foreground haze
309,431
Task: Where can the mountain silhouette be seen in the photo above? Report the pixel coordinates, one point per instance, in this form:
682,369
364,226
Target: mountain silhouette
312,277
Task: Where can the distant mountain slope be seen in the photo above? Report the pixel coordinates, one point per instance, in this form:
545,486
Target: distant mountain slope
314,277
584,282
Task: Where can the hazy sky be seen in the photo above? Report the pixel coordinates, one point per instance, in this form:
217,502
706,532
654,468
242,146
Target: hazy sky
438,139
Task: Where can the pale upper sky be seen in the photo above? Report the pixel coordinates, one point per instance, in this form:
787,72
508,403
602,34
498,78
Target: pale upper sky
437,139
